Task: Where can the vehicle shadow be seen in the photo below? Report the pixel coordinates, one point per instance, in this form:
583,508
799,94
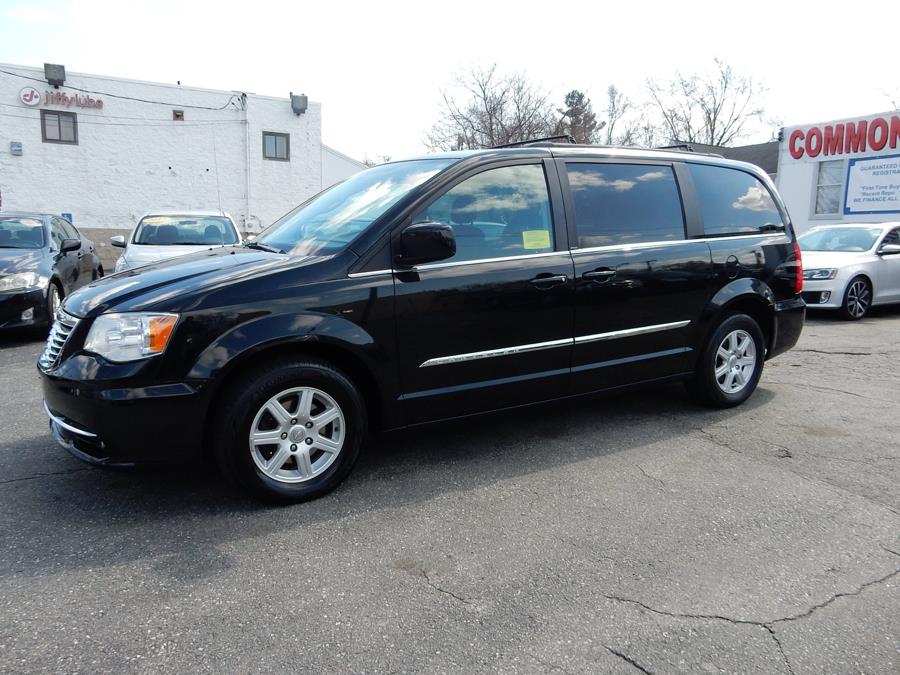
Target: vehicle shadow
17,337
824,316
182,517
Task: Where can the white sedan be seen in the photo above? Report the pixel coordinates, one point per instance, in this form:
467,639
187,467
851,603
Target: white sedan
160,235
851,267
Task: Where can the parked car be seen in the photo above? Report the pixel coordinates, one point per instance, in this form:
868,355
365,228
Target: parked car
850,268
160,235
43,258
429,289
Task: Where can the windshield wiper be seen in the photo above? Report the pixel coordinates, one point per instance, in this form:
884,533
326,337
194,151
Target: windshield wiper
259,246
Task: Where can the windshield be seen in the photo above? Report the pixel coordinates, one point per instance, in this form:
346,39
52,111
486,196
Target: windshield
185,231
331,219
21,233
847,239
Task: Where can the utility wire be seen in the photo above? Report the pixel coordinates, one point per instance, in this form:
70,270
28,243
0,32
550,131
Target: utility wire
82,114
154,123
229,102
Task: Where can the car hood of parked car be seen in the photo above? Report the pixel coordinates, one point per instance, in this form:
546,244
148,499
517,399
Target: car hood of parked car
834,259
15,260
144,254
170,284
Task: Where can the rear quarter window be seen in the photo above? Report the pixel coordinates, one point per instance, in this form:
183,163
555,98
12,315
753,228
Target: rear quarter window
624,203
732,201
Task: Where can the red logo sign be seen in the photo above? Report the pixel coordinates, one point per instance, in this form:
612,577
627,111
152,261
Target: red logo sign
30,96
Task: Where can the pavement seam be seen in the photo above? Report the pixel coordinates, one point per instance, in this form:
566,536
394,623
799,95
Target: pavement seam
44,475
442,590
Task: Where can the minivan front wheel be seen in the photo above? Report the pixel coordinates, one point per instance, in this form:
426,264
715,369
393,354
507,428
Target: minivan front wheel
730,364
291,431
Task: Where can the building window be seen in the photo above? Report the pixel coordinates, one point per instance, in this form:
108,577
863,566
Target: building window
276,146
828,187
59,127
178,115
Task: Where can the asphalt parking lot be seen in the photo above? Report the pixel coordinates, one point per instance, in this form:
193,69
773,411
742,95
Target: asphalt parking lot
630,534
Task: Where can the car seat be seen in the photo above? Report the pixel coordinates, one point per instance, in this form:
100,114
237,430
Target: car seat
469,237
212,235
166,234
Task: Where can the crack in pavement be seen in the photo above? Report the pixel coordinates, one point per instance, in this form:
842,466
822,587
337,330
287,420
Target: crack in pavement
45,475
441,590
628,660
650,476
819,387
836,353
768,626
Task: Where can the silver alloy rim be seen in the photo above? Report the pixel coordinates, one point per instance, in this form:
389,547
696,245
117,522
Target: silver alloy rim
297,434
735,361
54,302
858,298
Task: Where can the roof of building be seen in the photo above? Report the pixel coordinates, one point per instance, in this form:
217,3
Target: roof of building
763,155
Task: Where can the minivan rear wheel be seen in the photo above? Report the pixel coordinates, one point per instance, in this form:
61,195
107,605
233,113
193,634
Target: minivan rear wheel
730,364
291,431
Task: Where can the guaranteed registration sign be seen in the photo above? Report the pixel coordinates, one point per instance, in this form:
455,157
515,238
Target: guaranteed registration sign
873,185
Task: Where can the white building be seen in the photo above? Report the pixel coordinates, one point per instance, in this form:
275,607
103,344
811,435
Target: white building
844,171
105,149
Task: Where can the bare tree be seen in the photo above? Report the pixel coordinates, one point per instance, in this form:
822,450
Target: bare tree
713,109
494,110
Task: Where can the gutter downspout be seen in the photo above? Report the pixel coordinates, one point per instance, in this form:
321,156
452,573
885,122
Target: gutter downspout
247,160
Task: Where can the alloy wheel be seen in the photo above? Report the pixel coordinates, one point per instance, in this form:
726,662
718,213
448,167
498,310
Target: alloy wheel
297,434
858,298
735,361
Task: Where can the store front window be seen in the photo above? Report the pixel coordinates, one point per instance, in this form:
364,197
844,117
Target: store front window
828,187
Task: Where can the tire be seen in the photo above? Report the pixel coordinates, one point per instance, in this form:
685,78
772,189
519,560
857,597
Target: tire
735,385
857,299
302,462
54,300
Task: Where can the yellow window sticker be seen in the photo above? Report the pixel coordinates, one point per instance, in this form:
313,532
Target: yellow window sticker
157,220
536,239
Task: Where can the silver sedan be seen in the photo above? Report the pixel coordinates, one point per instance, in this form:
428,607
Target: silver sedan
850,268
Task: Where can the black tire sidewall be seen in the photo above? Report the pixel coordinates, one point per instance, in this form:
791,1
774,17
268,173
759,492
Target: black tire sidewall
705,384
845,312
244,401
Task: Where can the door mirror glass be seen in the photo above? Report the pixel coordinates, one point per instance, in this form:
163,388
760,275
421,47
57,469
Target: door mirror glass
70,245
117,241
424,243
889,249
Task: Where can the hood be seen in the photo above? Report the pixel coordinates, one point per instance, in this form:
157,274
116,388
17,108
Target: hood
167,285
141,254
833,259
14,260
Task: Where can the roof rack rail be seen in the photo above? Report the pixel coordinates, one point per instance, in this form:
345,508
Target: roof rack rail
534,141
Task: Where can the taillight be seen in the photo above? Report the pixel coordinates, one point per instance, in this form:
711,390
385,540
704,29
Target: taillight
798,269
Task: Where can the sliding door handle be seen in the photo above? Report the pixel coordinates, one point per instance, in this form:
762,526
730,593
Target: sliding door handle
603,274
546,280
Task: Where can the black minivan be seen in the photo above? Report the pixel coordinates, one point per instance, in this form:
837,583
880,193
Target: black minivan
425,290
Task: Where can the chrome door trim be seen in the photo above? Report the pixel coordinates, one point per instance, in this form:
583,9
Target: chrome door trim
552,344
458,263
629,332
491,353
372,273
673,242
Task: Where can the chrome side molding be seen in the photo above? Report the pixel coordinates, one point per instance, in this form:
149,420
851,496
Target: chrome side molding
552,344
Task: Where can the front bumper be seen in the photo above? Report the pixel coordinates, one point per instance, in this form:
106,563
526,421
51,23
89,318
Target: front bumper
23,308
828,294
789,318
113,425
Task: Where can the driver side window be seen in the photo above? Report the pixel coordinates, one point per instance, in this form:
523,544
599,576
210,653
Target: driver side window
57,234
497,213
892,237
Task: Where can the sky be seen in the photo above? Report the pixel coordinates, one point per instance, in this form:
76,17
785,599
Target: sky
379,67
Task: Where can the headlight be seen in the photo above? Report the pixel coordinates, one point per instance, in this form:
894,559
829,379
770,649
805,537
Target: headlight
130,337
819,275
18,282
121,264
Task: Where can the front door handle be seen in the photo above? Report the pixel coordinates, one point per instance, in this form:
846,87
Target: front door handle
601,274
546,280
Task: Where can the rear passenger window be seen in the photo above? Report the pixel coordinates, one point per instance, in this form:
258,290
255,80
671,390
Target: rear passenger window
497,213
625,203
732,201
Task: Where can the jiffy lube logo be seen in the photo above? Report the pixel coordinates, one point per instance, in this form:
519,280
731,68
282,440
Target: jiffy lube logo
30,96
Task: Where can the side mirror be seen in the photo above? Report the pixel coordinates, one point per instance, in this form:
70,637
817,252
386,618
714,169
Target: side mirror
889,249
70,245
424,243
118,241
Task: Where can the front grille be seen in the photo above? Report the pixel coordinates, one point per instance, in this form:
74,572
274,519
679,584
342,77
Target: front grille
62,328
